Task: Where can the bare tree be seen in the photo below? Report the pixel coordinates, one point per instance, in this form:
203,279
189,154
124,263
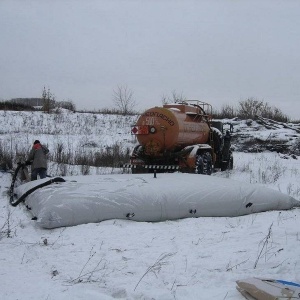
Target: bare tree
48,100
165,100
175,98
123,99
250,108
228,111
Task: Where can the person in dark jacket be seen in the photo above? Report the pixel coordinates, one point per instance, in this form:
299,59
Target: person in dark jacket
227,144
37,158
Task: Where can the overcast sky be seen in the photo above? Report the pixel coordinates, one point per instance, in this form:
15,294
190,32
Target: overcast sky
220,52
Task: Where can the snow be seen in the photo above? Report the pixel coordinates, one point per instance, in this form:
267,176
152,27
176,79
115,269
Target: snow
192,258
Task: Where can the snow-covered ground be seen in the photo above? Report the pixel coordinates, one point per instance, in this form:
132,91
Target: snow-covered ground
196,258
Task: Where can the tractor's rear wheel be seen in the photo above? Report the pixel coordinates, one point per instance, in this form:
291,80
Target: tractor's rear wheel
199,165
203,164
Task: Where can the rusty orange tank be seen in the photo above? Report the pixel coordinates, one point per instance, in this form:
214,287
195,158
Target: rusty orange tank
172,127
176,136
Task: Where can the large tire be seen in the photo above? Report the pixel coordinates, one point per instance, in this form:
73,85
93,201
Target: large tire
199,165
207,160
203,164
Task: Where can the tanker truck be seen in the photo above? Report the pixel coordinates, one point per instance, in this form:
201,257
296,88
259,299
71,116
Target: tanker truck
179,137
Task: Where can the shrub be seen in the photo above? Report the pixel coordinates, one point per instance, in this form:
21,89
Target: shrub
227,112
250,108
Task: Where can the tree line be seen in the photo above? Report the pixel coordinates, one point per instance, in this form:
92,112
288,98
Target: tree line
250,109
125,104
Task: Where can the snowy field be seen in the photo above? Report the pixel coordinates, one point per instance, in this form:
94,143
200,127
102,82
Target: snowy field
75,132
196,258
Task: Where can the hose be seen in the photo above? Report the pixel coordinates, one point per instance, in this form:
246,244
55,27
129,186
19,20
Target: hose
22,198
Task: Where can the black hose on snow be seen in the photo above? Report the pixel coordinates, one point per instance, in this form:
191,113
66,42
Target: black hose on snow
12,186
22,198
